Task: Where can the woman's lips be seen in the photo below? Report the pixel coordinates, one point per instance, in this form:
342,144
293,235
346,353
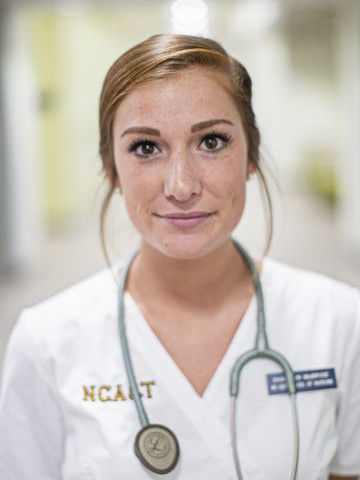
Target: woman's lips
187,222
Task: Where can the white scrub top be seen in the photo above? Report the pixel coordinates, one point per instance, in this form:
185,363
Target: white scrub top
66,411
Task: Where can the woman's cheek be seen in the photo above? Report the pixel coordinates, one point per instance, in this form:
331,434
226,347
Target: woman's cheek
232,186
138,205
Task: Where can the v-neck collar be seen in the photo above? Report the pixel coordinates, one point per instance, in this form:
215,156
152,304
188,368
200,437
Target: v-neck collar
246,326
168,359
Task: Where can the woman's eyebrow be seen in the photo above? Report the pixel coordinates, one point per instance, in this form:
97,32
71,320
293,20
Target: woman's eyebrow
195,128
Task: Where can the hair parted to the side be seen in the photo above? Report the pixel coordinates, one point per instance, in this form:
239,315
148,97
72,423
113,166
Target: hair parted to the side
157,58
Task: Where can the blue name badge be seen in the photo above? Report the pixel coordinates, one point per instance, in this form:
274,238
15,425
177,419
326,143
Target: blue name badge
306,381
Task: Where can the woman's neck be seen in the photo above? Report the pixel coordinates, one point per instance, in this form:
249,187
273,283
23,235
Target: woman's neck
195,283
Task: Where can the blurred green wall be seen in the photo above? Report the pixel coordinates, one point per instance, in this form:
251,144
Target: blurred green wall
71,55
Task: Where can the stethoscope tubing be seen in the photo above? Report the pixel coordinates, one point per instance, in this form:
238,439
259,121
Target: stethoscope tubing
296,440
261,350
144,420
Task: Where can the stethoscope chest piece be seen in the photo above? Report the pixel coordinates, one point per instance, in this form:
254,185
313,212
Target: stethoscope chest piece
157,448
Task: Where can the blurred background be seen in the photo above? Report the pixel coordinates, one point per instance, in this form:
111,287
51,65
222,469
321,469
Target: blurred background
304,59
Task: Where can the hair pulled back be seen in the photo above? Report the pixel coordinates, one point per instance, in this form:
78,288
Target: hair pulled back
157,58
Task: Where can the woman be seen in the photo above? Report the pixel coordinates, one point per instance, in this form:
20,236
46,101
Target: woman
178,139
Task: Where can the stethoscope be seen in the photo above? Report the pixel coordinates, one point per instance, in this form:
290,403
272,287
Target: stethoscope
156,445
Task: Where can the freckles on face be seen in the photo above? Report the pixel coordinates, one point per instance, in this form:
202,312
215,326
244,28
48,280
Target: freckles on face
139,200
180,171
229,186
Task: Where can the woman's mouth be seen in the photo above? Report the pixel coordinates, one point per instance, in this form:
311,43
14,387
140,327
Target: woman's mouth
186,220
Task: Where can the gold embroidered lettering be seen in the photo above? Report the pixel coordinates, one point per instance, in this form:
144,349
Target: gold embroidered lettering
148,386
119,394
101,398
88,394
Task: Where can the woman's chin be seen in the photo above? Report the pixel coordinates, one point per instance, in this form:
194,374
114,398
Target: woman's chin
185,246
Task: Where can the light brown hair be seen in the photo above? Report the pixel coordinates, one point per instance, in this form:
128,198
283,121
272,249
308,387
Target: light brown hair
159,57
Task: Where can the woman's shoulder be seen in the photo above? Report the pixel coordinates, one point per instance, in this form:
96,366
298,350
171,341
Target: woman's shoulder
303,286
280,271
75,307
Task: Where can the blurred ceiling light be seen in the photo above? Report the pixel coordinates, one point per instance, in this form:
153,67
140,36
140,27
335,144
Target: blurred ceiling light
190,17
255,17
68,8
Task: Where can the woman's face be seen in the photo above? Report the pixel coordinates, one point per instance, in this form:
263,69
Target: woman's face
180,148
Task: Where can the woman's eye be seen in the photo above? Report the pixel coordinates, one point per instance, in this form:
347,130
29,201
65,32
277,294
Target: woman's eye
143,147
146,147
211,140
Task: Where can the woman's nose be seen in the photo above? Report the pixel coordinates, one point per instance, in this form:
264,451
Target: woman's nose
181,178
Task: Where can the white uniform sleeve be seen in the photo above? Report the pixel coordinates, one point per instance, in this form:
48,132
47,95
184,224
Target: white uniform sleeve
31,426
347,459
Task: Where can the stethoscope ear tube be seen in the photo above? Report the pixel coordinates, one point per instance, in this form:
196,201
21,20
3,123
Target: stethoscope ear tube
267,354
124,343
296,442
234,391
262,350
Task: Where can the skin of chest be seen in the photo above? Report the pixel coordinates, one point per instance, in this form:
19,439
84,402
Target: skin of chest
197,341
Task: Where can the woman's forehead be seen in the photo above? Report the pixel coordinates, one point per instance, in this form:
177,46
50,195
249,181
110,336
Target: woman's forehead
182,94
